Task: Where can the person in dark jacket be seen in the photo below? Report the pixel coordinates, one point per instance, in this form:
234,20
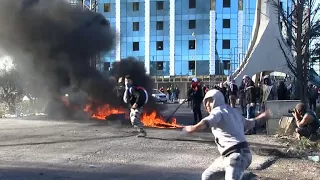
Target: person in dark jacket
250,96
251,99
313,96
136,97
232,92
242,98
195,95
205,89
282,91
223,90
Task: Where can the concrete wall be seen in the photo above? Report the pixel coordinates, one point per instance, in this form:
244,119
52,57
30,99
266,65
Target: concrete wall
264,52
279,109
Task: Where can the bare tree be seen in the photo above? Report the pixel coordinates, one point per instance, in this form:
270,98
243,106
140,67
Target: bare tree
10,88
302,27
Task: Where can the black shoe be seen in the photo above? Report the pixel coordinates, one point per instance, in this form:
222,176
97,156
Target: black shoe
251,132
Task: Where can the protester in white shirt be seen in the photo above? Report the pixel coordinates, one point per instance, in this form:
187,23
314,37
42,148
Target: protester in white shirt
227,126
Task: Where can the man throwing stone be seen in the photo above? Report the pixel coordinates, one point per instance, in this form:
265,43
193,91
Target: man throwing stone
136,97
227,126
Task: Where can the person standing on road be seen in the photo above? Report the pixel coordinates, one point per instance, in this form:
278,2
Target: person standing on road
195,95
232,92
227,126
136,97
223,90
242,98
250,95
313,96
177,92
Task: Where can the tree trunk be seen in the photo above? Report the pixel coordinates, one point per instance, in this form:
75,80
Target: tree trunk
300,61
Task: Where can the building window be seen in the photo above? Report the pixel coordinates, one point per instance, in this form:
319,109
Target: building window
226,44
226,3
159,5
159,25
192,44
135,6
226,23
135,46
226,64
192,65
192,4
106,66
160,65
135,26
159,45
106,7
192,24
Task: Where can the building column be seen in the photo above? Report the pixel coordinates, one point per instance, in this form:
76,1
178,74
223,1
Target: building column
212,42
172,37
147,36
118,29
240,32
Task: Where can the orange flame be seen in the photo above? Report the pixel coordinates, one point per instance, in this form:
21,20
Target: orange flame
153,120
149,120
103,112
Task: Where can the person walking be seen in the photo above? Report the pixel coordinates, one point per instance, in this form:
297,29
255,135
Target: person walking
136,97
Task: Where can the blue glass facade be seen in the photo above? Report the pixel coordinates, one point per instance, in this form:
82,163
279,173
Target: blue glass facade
159,38
191,33
110,13
191,24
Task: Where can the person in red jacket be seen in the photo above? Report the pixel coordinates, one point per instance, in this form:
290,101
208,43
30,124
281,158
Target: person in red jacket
195,95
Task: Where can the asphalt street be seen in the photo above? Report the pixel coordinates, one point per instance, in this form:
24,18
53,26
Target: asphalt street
40,148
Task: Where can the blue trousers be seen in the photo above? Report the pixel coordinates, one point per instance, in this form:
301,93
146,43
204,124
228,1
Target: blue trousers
251,111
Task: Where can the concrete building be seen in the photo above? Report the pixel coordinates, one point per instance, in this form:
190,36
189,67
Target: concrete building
181,37
264,53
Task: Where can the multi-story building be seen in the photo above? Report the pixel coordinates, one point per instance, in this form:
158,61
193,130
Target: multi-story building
181,37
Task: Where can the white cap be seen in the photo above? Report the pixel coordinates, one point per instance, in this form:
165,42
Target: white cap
194,80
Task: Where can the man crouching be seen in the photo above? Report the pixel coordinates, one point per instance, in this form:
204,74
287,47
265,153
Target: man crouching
136,97
227,126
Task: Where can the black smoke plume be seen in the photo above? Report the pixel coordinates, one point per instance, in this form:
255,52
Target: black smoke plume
52,43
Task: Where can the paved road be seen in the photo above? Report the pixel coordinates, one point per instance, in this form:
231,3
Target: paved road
48,149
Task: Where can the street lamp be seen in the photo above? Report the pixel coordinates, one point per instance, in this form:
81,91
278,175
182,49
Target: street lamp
195,53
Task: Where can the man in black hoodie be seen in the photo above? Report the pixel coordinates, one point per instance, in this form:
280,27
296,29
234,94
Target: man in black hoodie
136,97
195,95
251,99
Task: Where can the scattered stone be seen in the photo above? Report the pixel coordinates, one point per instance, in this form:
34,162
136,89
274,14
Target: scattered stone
262,162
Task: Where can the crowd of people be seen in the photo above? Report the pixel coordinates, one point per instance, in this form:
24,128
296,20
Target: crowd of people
171,92
250,96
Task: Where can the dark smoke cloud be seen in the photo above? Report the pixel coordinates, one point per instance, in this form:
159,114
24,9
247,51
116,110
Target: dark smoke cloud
51,44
